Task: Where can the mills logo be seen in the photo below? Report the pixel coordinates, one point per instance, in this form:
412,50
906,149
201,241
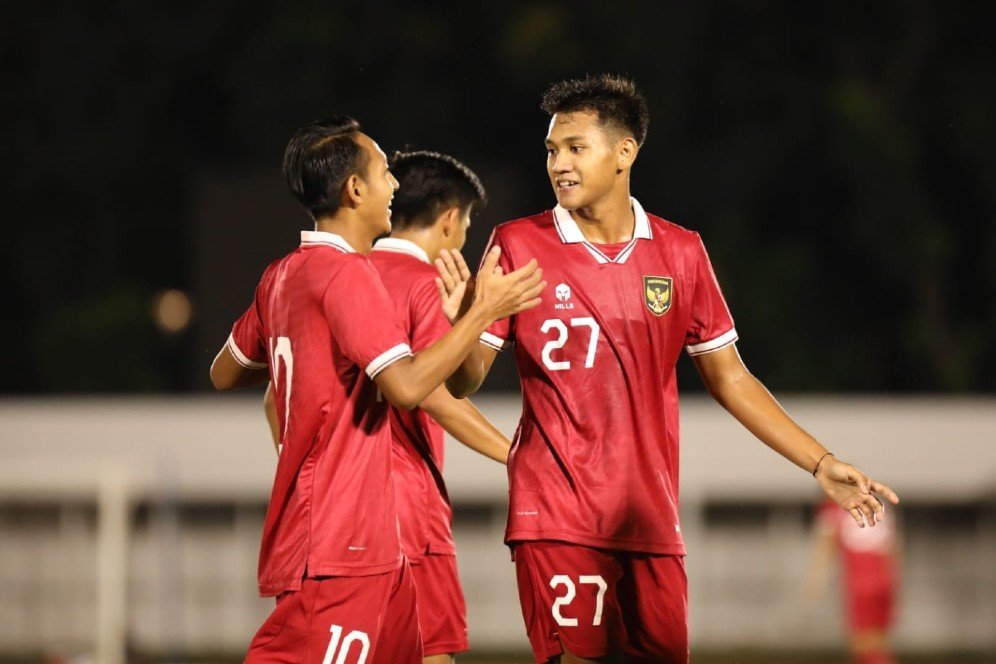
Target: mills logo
563,295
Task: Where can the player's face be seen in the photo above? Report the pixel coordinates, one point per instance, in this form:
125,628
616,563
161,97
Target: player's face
582,159
380,186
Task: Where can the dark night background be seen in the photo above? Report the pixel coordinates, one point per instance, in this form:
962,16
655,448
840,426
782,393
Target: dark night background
837,159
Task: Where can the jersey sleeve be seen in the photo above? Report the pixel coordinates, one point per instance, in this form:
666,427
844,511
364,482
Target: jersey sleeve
247,342
500,334
710,326
363,319
428,322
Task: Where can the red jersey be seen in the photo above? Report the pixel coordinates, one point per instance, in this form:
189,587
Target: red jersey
420,494
595,458
867,554
325,325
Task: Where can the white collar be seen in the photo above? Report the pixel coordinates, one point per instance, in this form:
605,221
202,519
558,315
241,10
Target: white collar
569,233
402,246
322,237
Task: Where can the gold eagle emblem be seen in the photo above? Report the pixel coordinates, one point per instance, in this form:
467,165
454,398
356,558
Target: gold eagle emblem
658,294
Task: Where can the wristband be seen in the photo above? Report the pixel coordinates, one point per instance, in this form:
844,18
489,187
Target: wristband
817,469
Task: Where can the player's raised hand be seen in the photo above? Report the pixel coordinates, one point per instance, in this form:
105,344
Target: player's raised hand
504,295
455,284
854,491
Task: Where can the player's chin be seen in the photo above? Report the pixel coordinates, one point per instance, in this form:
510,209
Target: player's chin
570,198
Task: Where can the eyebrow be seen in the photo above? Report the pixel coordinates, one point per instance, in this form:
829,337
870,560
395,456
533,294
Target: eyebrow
569,139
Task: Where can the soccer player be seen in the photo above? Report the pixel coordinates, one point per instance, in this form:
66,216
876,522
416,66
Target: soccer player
431,211
869,562
593,516
323,329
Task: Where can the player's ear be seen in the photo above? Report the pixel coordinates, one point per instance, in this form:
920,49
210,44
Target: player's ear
353,190
449,221
626,153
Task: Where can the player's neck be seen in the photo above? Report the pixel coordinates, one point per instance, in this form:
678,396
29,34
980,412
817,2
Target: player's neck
353,230
609,220
424,238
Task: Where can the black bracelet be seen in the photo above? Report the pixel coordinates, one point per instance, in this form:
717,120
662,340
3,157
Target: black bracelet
817,469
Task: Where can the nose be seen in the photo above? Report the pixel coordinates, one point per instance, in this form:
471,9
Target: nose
394,182
560,163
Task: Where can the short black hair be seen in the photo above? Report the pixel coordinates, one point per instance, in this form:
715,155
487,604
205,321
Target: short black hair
615,99
319,158
429,183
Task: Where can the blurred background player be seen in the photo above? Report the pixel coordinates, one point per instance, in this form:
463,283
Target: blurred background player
593,515
323,329
431,211
869,563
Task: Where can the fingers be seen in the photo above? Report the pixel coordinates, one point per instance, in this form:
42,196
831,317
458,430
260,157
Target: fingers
525,271
490,261
886,491
441,288
532,292
526,306
855,476
856,515
463,270
451,265
446,277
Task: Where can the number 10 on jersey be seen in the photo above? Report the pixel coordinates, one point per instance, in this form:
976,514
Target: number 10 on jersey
561,330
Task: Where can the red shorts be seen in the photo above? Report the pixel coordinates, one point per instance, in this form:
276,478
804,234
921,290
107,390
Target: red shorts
442,611
343,620
595,603
870,607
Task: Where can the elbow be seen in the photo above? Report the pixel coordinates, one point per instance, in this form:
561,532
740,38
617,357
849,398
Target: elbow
405,399
405,404
460,389
220,381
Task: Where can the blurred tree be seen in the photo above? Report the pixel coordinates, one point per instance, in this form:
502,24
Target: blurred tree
839,161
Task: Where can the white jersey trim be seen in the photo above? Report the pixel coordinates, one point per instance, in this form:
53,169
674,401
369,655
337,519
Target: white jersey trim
241,357
493,341
309,238
570,233
402,247
387,358
721,341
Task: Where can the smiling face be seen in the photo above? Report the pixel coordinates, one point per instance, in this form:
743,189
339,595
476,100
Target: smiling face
585,159
380,186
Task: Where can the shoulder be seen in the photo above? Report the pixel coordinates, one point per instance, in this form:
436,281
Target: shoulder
525,226
676,239
661,227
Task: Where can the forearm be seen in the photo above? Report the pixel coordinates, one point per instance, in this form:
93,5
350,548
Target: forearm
462,420
471,373
270,410
753,406
408,383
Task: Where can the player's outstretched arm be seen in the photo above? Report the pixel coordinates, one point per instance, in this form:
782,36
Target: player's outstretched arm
744,397
456,291
228,374
270,410
406,383
463,421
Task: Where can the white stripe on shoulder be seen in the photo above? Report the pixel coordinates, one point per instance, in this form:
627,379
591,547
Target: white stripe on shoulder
721,341
241,357
387,358
494,341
